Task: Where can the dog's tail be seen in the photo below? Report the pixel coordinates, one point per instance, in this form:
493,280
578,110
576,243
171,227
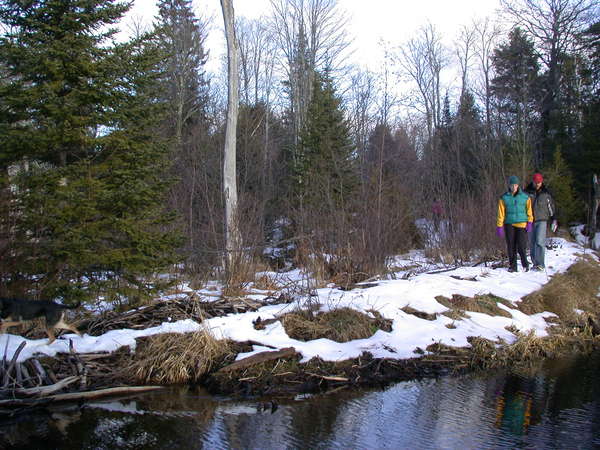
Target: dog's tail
76,305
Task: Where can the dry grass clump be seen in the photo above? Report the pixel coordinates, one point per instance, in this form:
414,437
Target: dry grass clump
486,304
577,288
529,349
340,325
455,314
171,358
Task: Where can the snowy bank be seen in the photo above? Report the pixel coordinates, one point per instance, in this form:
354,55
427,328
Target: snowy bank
387,297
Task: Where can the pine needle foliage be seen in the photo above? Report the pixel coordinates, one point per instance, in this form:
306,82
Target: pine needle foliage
324,170
560,180
76,142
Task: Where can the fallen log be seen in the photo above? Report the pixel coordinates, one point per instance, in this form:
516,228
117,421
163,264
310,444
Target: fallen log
259,358
75,396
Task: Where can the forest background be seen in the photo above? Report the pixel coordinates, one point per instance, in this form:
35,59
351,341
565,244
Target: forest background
111,150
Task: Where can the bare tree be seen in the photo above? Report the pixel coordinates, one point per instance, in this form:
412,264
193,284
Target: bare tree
311,35
232,234
486,39
552,23
360,103
257,149
249,53
256,61
421,61
464,49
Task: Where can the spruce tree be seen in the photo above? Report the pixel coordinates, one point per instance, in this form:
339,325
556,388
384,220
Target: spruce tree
325,170
560,181
76,138
517,89
184,86
584,157
468,139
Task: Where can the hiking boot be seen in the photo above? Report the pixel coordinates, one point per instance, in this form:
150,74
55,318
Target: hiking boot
512,269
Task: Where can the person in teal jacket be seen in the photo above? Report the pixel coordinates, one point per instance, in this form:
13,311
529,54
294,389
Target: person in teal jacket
514,221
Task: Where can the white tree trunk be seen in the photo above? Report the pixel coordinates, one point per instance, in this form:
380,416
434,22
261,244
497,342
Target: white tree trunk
232,234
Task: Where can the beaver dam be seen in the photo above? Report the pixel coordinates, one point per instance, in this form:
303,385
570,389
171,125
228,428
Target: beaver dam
271,340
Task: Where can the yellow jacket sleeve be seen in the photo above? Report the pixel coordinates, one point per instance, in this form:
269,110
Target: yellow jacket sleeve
501,213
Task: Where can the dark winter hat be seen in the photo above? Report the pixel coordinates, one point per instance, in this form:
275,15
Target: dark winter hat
538,178
513,179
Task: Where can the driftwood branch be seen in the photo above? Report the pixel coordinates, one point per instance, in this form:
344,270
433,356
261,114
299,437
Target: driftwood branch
329,377
73,396
42,391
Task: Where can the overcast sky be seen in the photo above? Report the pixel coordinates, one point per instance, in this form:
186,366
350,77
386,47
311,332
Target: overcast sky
370,20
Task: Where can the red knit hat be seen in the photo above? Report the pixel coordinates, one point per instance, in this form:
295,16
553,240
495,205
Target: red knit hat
538,178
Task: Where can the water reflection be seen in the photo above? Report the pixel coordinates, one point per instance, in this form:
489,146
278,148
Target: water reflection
558,406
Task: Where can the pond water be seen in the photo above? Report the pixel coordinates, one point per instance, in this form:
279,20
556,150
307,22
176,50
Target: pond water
557,406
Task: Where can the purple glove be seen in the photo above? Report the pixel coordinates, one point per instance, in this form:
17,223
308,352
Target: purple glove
529,227
500,231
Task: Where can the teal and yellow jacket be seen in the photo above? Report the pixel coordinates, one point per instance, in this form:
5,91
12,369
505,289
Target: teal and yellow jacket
514,210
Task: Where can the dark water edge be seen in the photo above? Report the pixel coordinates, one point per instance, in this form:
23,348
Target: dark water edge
556,406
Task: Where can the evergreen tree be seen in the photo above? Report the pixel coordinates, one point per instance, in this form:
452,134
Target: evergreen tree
76,138
457,158
185,87
559,178
516,88
468,141
382,150
584,158
325,172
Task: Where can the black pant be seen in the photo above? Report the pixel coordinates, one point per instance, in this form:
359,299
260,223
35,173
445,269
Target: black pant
516,241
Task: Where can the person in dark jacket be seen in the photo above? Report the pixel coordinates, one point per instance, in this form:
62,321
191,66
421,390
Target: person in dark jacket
514,221
544,211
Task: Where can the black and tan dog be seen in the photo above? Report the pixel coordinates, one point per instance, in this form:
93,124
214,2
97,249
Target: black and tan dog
17,311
